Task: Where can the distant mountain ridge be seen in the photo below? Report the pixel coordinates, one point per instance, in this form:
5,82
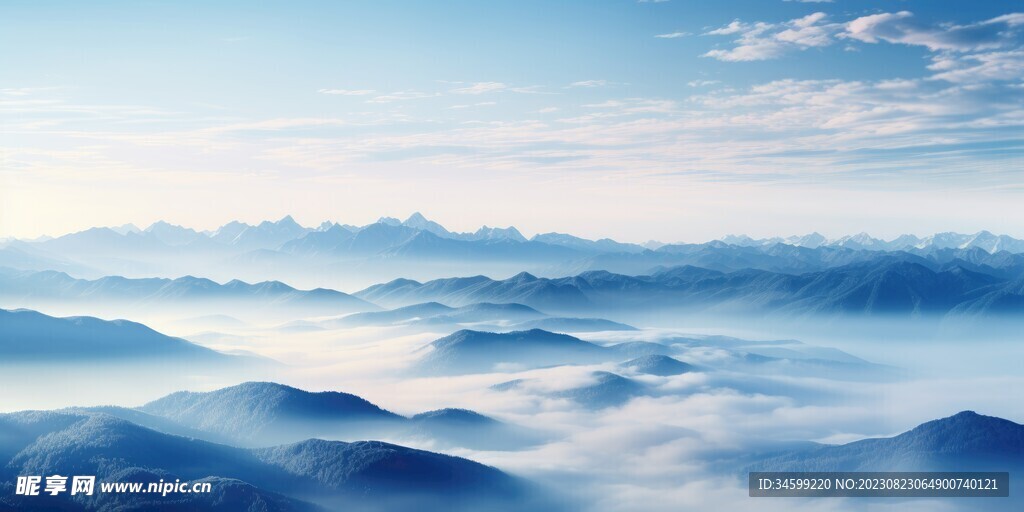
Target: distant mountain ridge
985,240
274,234
469,351
499,317
342,255
885,286
889,284
26,286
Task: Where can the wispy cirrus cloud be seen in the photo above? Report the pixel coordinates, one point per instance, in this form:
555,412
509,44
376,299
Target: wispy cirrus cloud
473,105
347,92
489,87
759,131
702,83
979,68
401,96
24,91
590,83
673,35
480,88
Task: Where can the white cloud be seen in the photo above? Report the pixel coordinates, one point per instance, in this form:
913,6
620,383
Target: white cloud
472,105
529,89
1015,19
277,124
480,88
672,35
734,27
702,83
749,50
589,83
401,96
806,31
24,91
764,41
347,92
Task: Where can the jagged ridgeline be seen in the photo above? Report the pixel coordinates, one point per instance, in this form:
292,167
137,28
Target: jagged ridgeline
342,256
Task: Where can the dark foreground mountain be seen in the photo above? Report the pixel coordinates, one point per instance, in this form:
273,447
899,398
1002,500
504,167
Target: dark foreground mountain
353,476
30,336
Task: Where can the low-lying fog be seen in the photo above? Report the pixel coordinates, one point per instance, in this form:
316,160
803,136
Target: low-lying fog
680,444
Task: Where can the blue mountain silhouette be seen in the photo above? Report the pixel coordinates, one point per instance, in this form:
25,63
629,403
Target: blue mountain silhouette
658,365
330,473
966,441
468,351
27,335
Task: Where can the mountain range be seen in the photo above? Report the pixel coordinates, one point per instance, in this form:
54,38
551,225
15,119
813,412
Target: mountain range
888,285
275,234
184,294
884,286
983,240
334,254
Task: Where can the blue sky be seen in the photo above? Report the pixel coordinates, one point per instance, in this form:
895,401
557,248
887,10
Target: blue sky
674,120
